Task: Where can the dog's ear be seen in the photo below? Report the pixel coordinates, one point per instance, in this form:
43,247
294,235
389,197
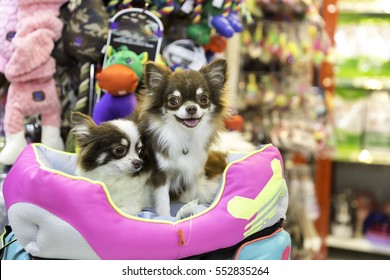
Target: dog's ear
215,73
81,124
155,75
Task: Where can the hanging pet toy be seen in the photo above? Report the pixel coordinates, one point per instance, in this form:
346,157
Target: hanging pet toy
119,79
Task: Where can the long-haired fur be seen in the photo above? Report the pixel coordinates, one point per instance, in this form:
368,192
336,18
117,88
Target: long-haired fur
180,114
112,152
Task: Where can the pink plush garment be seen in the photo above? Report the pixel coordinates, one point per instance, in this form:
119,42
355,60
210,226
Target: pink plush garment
30,98
38,28
30,69
8,20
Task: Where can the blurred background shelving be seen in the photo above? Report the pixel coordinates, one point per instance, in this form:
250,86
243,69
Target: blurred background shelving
352,179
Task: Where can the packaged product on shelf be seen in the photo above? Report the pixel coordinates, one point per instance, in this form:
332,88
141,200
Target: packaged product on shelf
376,126
348,118
363,60
342,214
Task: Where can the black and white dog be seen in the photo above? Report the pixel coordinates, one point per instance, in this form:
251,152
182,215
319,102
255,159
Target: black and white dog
113,153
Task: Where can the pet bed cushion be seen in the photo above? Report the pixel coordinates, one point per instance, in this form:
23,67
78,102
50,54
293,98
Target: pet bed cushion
55,214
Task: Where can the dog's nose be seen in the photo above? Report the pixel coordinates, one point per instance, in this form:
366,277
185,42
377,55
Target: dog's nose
191,109
136,163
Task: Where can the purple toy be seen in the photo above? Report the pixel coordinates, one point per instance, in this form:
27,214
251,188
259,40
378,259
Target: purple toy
112,107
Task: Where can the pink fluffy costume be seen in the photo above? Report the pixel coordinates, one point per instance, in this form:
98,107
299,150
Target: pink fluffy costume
30,70
8,22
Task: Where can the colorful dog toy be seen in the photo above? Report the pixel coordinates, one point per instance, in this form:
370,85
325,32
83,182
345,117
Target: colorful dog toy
223,16
119,79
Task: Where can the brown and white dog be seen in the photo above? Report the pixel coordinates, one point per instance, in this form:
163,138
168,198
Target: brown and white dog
113,153
180,114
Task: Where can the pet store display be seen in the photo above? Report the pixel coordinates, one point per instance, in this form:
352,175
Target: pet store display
134,37
362,94
51,211
277,79
283,46
358,144
79,43
359,214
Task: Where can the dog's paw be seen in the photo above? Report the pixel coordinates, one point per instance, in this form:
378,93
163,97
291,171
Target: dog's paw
163,211
187,210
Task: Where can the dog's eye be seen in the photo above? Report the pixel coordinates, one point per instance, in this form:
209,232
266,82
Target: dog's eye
203,99
140,151
173,101
120,151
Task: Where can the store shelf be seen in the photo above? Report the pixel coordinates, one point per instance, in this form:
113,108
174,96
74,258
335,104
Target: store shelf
371,7
356,244
378,83
374,157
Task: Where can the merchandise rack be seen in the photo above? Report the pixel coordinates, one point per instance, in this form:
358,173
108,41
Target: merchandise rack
356,244
327,165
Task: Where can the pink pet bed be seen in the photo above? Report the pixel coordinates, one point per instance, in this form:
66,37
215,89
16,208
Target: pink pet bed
55,214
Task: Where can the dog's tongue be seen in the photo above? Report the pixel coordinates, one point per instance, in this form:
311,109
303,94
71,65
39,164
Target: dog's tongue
191,122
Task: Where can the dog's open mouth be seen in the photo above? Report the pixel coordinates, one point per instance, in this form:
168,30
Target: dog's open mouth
191,122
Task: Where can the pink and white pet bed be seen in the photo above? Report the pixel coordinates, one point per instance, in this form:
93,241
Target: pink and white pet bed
57,215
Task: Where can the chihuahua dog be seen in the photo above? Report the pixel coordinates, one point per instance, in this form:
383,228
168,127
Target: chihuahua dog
217,161
113,153
180,114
